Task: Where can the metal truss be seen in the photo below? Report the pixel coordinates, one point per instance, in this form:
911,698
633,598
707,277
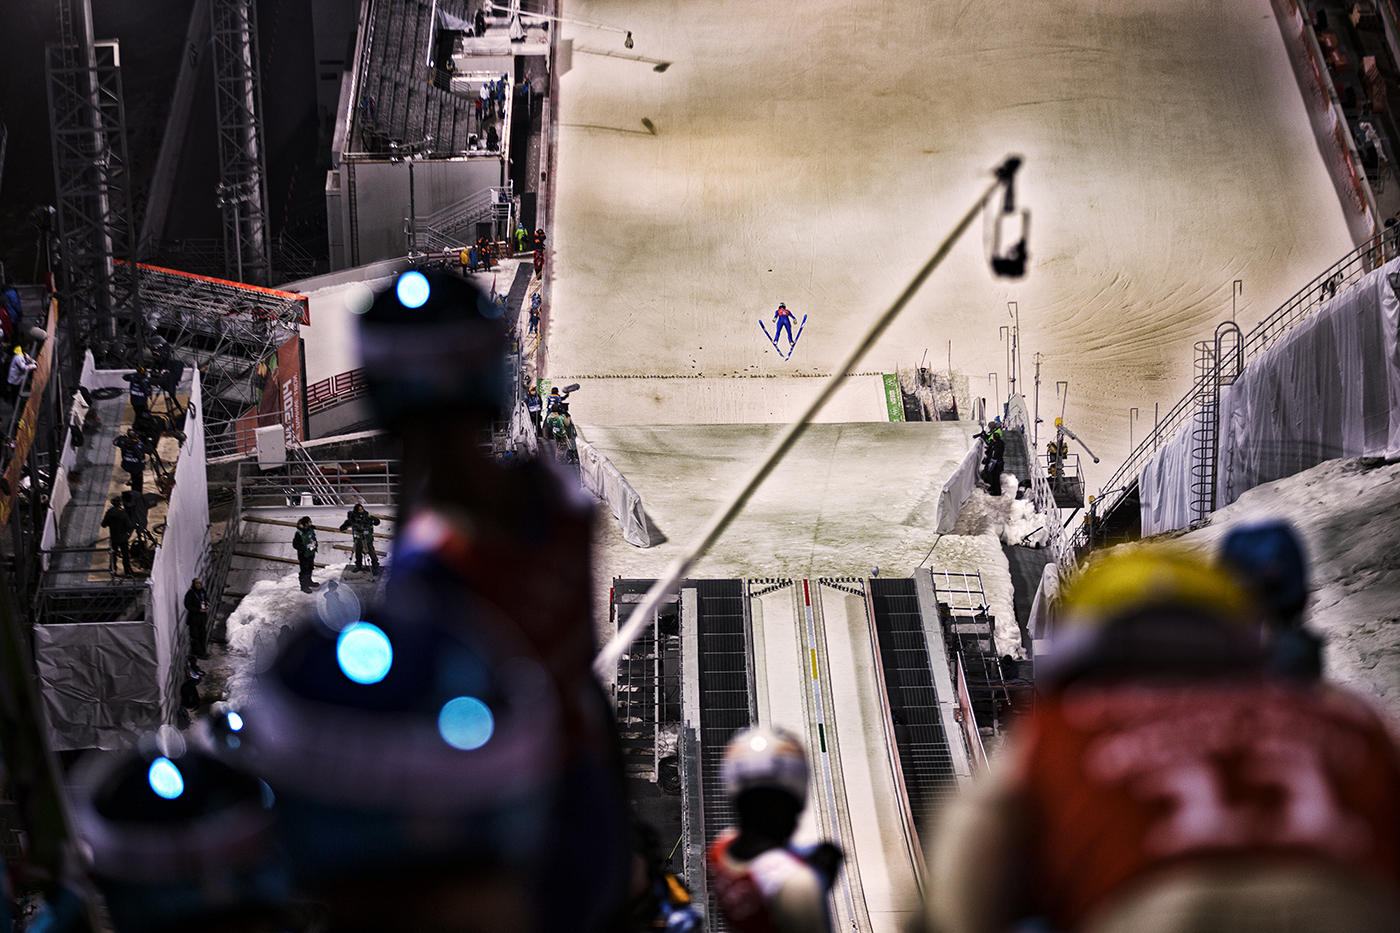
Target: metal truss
224,328
87,125
238,106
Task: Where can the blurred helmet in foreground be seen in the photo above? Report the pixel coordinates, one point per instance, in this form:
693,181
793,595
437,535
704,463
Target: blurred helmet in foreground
1151,611
767,758
433,344
406,748
1270,560
179,840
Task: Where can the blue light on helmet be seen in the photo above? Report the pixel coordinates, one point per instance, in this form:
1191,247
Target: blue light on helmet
364,653
412,289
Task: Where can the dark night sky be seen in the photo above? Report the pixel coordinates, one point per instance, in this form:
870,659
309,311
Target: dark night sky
152,34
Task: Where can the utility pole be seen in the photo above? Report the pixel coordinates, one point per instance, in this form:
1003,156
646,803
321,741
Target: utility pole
1015,311
1035,427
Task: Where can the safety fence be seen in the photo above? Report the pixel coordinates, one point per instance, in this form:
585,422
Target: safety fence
1215,367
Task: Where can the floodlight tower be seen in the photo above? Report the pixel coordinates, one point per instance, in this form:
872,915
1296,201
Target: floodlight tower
242,192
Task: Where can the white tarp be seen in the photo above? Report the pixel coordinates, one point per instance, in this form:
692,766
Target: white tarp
1329,388
180,555
1047,594
1164,485
603,480
958,489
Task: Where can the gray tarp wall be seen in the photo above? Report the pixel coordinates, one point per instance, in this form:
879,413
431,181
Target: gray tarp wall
603,480
98,683
1328,388
103,683
957,489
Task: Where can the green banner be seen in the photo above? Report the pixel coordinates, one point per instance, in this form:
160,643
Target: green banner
894,399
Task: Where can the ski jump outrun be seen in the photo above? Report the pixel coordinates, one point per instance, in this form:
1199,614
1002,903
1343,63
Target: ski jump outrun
782,322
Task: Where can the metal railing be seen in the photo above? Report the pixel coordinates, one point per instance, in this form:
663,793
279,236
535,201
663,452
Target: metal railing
321,487
1304,303
374,482
237,437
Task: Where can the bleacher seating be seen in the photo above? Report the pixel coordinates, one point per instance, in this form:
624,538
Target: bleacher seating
408,105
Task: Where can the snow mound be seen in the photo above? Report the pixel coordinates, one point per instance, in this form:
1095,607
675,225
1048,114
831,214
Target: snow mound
1014,521
273,608
981,553
1348,512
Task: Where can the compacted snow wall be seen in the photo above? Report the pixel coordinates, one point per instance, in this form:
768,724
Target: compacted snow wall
1329,388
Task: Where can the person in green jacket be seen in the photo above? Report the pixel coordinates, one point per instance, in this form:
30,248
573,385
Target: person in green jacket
304,542
520,235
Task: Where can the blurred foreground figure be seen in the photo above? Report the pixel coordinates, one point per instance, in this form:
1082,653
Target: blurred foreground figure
180,841
448,762
1269,560
762,882
1168,781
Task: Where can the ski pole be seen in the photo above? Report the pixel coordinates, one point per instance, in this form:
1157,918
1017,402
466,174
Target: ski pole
606,661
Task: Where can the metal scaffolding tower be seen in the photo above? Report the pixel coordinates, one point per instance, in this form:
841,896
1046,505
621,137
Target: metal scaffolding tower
238,106
224,328
87,126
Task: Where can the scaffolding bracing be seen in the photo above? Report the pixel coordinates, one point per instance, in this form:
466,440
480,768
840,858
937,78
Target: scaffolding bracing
225,329
242,192
92,183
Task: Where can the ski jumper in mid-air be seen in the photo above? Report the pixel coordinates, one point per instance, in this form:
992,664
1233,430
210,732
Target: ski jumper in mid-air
782,322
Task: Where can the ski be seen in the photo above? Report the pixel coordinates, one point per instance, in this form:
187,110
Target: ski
771,339
793,346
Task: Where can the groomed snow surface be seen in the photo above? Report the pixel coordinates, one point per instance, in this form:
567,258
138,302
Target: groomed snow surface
816,153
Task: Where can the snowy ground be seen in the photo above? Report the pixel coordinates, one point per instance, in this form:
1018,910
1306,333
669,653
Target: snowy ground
1348,512
816,153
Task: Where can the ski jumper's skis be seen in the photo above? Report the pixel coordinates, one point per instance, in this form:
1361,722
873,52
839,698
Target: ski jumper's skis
771,339
793,346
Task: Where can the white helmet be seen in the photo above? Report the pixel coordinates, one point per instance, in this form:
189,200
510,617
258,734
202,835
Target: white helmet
759,757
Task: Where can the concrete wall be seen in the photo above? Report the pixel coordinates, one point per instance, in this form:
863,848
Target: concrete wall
380,201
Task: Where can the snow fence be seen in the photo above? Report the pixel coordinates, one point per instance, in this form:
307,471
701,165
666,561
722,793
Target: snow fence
1329,388
602,479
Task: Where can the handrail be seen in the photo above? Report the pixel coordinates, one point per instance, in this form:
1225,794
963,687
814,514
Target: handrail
1297,308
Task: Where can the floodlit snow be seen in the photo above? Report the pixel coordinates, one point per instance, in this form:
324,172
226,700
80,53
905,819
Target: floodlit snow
1348,512
816,153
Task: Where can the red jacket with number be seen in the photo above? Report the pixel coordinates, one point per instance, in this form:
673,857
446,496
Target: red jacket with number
1117,788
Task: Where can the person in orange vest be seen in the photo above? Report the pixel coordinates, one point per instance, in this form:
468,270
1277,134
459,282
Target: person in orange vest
1167,780
761,881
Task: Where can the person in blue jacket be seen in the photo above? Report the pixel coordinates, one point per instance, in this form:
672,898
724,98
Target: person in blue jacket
783,322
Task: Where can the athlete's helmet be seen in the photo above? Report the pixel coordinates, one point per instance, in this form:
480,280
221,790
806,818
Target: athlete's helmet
1151,611
433,343
765,758
178,839
1269,559
423,737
